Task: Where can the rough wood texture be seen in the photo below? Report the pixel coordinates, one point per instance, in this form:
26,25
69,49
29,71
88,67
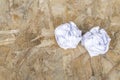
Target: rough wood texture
28,50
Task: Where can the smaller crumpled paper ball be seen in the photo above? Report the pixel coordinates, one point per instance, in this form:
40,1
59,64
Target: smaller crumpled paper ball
96,41
68,35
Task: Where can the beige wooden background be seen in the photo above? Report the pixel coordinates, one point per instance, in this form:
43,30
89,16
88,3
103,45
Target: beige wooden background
28,50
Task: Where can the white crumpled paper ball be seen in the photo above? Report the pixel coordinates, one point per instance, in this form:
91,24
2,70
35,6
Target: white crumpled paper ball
96,41
68,35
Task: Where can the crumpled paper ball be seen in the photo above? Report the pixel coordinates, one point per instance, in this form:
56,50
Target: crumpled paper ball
68,35
96,41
